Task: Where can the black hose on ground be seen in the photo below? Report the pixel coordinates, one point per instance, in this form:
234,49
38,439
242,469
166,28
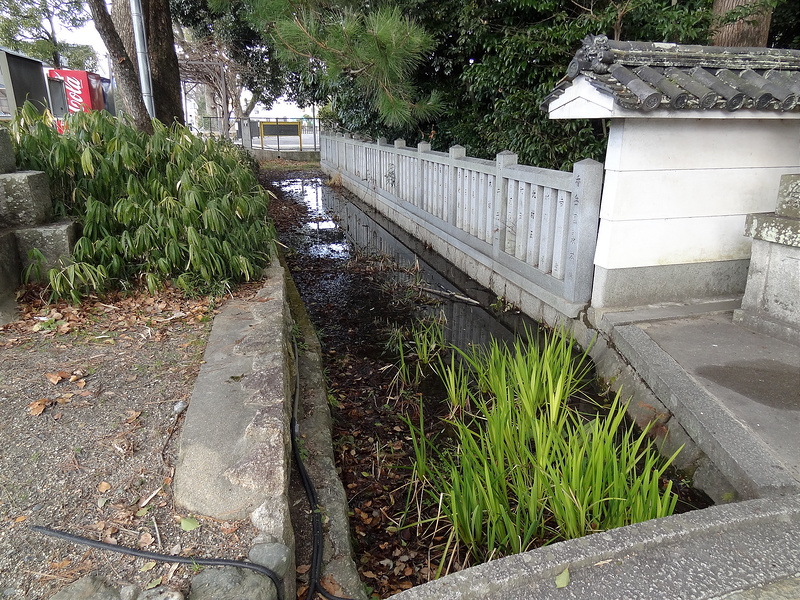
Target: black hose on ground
317,546
203,562
315,573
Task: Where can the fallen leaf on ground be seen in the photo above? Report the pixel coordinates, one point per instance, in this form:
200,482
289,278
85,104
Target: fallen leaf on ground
154,583
37,406
189,523
103,487
147,566
303,569
20,519
53,378
562,580
145,540
331,586
228,528
60,565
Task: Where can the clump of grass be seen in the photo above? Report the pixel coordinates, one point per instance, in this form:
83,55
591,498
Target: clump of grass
523,468
417,350
169,205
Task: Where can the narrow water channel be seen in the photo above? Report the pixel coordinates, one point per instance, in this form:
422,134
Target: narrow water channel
342,228
359,276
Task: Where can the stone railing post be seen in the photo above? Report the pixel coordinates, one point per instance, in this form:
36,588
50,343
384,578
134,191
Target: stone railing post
382,166
451,211
400,174
419,184
584,215
499,227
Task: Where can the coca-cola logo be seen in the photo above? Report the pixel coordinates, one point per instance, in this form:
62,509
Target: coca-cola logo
73,86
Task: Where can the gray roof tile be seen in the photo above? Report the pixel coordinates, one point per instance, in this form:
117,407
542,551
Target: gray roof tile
647,76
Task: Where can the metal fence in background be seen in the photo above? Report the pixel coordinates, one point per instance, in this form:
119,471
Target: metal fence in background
268,134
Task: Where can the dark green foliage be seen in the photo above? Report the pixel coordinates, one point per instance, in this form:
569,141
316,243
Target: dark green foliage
170,205
227,24
30,27
494,62
785,29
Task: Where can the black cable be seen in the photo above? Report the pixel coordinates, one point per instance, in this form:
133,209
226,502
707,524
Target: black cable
314,585
317,546
203,562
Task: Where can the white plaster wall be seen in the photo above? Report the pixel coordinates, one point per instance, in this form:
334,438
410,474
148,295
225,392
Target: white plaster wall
677,190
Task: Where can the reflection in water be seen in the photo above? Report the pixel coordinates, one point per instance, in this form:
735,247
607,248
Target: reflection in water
339,222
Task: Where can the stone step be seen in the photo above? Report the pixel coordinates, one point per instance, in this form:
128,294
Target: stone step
24,199
54,240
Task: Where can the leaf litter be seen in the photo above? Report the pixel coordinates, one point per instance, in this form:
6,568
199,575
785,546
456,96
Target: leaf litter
89,438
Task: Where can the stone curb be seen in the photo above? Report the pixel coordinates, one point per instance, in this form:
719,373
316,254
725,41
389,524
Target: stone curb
314,423
235,447
701,554
234,458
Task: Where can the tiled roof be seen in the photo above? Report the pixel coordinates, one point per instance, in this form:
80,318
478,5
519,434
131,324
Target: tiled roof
646,76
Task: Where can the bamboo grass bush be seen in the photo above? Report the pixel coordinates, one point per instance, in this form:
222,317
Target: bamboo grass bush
153,207
524,468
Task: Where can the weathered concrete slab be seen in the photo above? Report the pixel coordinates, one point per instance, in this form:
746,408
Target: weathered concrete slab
25,199
234,449
745,395
771,302
700,555
236,425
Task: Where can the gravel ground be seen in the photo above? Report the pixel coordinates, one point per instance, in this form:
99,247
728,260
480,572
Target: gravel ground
89,430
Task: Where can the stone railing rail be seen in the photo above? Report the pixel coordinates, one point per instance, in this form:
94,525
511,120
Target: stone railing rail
534,228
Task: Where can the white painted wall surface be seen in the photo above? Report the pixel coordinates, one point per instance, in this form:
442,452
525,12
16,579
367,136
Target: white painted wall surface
677,190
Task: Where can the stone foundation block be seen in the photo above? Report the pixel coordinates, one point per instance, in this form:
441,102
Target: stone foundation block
25,199
54,241
7,159
9,266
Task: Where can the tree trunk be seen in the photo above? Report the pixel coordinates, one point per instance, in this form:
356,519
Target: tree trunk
123,23
751,31
163,62
164,74
127,79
